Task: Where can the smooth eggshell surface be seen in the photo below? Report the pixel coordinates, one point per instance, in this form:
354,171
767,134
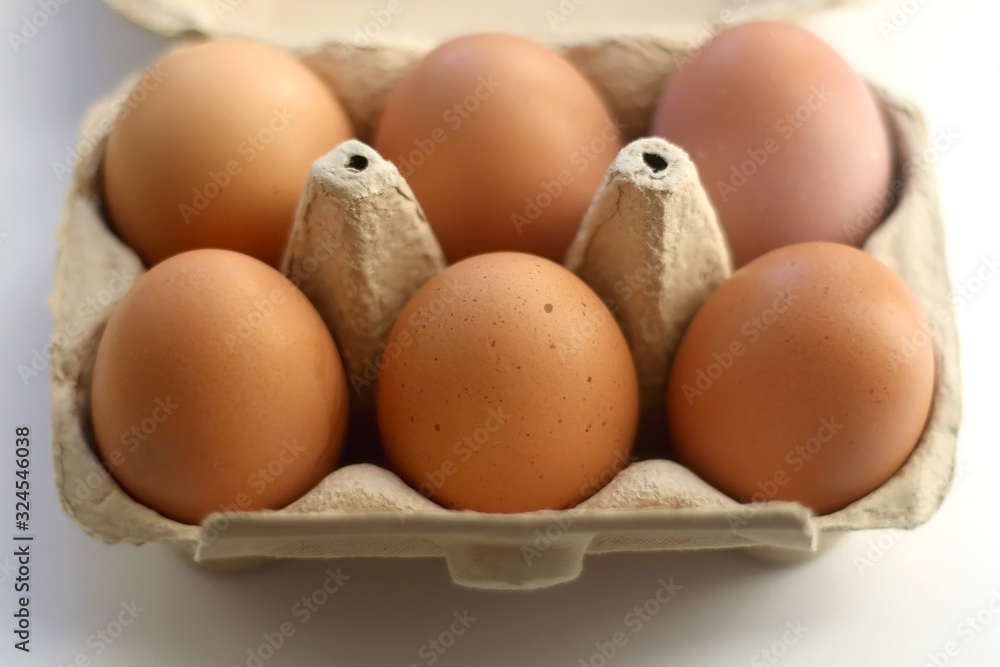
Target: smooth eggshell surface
212,149
509,388
788,139
807,376
504,143
217,387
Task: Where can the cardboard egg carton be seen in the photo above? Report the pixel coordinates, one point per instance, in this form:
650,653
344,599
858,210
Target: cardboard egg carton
360,246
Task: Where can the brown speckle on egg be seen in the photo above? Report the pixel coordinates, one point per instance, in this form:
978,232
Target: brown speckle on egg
750,412
489,437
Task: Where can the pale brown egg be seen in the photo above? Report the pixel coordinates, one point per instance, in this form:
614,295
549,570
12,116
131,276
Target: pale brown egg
503,141
212,149
216,388
789,141
807,376
509,388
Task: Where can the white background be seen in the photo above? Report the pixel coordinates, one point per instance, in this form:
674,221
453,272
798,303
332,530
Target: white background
910,602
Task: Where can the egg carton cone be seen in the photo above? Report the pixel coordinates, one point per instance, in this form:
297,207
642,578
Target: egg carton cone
360,246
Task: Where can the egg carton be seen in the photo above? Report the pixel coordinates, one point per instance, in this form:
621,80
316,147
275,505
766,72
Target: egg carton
360,246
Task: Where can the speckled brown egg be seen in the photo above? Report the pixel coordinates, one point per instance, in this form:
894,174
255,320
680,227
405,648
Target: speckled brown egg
217,387
510,388
807,376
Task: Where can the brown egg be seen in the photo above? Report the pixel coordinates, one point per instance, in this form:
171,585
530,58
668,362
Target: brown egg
217,387
510,388
807,376
788,139
212,150
503,141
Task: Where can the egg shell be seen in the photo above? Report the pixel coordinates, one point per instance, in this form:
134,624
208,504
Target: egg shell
503,141
217,388
212,148
807,376
788,138
514,389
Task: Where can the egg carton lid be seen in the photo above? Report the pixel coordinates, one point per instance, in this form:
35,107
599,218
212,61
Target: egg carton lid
301,22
